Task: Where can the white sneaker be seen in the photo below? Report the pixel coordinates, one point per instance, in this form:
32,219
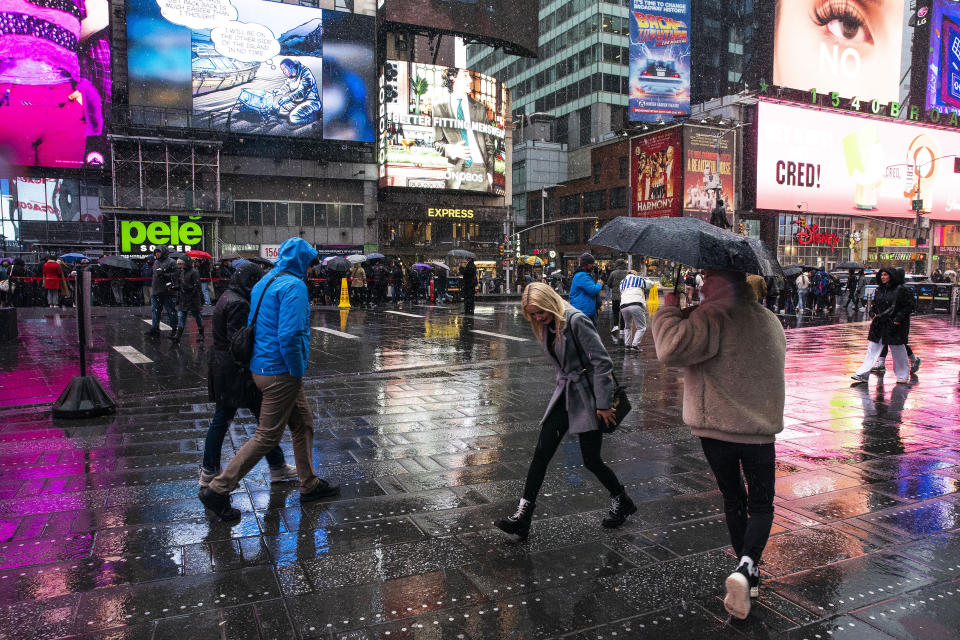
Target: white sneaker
737,600
283,474
615,330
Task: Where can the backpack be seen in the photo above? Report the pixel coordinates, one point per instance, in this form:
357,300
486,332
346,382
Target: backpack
822,284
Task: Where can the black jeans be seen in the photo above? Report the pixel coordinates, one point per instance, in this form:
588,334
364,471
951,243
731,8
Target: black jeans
749,513
551,433
615,313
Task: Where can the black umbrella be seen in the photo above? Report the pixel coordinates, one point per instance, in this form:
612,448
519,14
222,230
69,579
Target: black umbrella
462,253
230,256
118,262
263,262
176,255
338,264
688,241
851,265
791,270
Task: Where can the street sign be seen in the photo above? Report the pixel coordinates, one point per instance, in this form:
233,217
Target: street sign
917,205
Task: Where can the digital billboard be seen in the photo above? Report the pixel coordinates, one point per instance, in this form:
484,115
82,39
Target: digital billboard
656,175
54,200
828,162
708,161
54,83
255,67
442,128
659,59
513,25
943,70
860,48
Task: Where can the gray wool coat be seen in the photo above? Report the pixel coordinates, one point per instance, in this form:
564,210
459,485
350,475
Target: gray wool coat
584,391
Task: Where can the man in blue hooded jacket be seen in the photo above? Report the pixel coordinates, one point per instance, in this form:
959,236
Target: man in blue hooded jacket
280,355
584,290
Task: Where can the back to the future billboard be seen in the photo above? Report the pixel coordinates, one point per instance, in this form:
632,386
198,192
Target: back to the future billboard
659,59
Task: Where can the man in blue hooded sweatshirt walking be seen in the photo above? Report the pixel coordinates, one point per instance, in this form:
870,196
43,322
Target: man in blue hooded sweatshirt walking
280,355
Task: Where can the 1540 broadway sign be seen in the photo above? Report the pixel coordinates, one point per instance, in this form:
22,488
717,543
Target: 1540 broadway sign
144,237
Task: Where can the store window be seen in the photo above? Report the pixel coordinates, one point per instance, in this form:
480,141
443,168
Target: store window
813,240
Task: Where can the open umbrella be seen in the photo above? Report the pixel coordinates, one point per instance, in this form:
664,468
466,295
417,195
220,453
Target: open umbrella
73,257
441,265
230,256
118,262
688,241
850,265
791,270
176,255
337,264
462,253
533,261
263,262
239,261
356,259
558,272
375,256
196,253
421,265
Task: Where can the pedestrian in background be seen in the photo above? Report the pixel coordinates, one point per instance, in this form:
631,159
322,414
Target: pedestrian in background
6,284
468,284
584,289
613,281
203,269
396,278
51,281
189,299
803,291
229,385
580,402
281,353
892,305
163,289
633,309
733,353
358,285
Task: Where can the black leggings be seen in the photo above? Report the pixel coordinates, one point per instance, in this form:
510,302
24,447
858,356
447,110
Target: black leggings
551,433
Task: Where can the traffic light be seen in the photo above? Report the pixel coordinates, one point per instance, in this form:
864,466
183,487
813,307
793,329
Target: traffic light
803,222
501,247
740,228
596,225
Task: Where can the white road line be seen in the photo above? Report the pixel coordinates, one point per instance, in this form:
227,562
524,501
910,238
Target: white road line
409,315
498,335
337,333
163,325
132,355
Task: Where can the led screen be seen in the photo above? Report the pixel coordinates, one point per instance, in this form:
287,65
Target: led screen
858,48
659,59
55,200
442,128
255,67
827,162
943,77
54,82
656,174
707,170
512,24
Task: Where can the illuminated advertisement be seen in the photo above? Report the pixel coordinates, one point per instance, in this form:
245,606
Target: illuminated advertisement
54,82
707,170
514,25
943,76
659,59
827,162
54,200
655,175
441,128
858,48
255,67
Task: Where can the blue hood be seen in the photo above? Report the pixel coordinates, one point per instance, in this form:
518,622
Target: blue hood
294,256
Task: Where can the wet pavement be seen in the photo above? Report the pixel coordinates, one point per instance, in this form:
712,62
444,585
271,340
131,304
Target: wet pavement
429,419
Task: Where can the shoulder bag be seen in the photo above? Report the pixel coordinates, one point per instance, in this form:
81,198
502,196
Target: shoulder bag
619,401
241,344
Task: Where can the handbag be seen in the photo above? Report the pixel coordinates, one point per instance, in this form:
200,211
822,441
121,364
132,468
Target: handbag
241,344
4,286
619,401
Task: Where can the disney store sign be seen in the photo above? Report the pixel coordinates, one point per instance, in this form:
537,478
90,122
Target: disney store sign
813,236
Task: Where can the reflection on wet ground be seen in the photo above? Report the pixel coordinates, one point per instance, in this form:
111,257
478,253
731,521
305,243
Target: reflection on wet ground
429,420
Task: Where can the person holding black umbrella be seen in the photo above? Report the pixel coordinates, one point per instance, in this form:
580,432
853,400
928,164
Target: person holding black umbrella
733,352
468,286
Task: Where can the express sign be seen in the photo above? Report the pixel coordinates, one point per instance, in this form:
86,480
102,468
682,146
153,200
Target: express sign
141,237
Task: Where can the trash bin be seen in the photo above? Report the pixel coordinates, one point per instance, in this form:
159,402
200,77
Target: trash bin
8,324
924,295
942,294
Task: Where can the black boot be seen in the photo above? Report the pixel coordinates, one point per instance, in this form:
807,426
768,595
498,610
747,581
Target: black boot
152,333
518,525
218,504
175,335
200,337
621,506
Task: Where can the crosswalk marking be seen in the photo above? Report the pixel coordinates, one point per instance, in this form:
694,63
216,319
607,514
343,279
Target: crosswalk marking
163,325
409,315
498,335
338,333
132,355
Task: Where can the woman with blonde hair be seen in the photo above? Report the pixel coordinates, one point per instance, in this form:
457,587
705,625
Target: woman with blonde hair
580,401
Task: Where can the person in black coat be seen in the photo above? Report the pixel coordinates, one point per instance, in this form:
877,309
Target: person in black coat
229,385
891,309
189,299
468,285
